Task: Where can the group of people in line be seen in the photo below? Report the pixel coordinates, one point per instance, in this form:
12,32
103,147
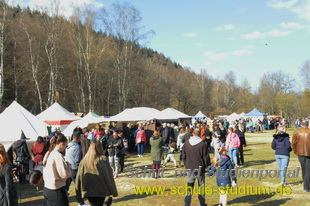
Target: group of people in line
93,159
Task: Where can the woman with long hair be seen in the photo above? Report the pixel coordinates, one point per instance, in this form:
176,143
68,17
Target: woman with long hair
38,150
8,194
55,172
94,180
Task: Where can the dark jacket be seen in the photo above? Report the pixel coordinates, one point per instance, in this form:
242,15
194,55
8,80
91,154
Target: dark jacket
223,134
223,172
96,182
115,150
21,150
241,137
195,154
8,194
281,144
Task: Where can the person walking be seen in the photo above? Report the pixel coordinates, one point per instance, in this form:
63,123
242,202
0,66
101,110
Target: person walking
282,146
301,147
196,158
94,179
55,173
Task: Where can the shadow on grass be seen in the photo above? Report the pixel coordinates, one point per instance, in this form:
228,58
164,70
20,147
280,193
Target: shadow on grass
134,197
258,162
250,144
256,200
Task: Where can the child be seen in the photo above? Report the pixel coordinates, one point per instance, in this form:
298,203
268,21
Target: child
172,149
224,167
216,144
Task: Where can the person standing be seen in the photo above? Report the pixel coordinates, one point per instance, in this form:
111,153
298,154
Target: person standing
141,141
156,142
22,157
232,145
8,194
282,146
115,146
242,144
38,150
301,147
55,173
94,179
196,158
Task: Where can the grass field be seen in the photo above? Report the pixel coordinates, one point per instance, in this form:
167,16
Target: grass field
258,155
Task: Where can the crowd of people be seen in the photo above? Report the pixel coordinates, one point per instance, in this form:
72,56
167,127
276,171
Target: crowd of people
93,159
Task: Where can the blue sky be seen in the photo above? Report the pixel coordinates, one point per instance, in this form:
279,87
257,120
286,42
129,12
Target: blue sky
222,35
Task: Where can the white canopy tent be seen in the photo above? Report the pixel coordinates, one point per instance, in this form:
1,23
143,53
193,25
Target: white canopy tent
135,114
233,117
90,118
15,119
172,114
199,116
57,116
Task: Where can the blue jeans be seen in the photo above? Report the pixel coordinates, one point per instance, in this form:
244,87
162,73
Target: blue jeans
140,148
282,161
233,153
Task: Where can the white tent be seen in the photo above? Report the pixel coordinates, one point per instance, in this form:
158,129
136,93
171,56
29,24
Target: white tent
57,116
234,116
172,114
90,118
135,114
15,119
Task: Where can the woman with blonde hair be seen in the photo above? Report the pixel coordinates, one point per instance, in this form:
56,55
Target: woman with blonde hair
8,194
282,146
94,179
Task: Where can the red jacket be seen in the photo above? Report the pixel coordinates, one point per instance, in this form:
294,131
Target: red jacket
141,137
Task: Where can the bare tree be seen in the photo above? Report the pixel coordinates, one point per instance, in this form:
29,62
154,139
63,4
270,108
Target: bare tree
4,18
122,22
305,73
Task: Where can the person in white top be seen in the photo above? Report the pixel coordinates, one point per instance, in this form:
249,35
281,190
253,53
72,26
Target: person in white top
55,173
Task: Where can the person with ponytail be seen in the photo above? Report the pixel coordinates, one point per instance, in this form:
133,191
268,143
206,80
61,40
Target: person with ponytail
8,194
55,173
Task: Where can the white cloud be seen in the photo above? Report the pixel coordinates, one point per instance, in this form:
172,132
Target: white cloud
241,52
299,7
291,25
214,56
279,4
226,27
66,7
190,35
254,35
279,33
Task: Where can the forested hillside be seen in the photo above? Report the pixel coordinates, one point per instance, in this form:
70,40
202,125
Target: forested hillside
97,61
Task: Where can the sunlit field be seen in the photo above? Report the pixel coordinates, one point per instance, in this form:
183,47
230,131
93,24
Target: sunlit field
258,155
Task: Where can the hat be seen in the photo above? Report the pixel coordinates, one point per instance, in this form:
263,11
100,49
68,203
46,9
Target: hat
98,133
23,137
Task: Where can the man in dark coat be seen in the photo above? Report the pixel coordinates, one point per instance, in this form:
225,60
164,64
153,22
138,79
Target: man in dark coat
242,144
22,157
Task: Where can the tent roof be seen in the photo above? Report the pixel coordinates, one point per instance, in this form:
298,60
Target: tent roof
15,119
234,116
135,114
90,118
171,113
200,114
255,113
56,113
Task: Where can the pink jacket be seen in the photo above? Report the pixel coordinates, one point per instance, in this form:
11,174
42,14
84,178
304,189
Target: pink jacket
232,141
141,137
